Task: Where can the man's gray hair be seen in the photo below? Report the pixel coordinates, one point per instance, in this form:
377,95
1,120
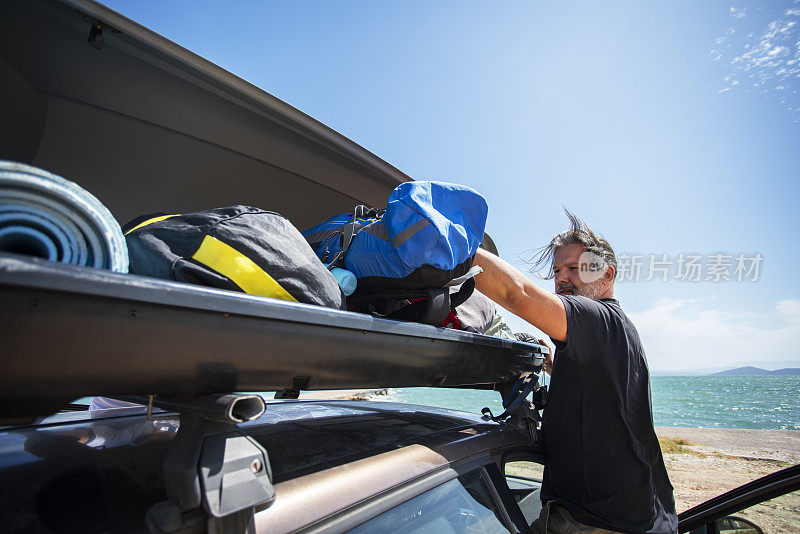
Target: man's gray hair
578,233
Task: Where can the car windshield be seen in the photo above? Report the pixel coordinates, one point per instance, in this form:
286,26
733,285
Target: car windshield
461,505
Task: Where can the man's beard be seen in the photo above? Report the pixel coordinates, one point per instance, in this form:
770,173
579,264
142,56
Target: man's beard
592,290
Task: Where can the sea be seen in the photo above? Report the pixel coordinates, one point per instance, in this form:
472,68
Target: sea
759,402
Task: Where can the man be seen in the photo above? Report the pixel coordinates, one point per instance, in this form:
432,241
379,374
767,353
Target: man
605,471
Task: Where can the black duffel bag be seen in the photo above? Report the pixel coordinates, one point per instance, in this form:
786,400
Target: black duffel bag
238,248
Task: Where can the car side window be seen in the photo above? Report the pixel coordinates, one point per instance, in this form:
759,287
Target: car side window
524,469
524,480
464,504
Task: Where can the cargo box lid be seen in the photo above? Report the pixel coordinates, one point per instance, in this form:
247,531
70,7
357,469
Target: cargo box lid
148,126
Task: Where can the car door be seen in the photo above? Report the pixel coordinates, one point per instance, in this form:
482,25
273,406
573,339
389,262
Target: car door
764,506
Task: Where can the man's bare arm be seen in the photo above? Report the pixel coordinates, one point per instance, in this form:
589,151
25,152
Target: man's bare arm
512,290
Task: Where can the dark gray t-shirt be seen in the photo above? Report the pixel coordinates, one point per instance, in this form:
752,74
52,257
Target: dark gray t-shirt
604,460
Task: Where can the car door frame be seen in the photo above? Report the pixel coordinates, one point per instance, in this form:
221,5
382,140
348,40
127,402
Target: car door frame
759,490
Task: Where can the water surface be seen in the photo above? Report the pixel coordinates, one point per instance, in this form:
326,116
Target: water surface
766,402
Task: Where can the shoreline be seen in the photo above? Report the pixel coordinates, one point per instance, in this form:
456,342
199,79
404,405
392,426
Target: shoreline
753,444
344,394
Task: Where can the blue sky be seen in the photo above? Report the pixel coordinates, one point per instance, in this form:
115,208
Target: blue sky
670,128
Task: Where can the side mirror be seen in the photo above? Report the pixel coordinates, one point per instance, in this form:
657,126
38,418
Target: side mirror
731,524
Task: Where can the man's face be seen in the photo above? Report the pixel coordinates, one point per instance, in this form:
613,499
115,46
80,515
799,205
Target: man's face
574,275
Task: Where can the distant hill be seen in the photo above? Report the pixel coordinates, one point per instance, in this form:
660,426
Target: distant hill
755,371
787,371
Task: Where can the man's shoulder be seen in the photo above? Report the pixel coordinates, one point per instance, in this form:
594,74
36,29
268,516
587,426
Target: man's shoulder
589,318
578,303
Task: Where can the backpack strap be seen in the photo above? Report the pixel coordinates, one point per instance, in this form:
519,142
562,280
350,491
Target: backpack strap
441,303
460,297
519,391
349,230
474,271
437,306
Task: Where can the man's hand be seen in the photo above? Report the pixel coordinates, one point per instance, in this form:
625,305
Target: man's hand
547,364
548,359
513,291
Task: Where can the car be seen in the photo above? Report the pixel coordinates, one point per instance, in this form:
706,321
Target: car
335,466
146,126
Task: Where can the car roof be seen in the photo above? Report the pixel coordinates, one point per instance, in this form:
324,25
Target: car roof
323,433
326,456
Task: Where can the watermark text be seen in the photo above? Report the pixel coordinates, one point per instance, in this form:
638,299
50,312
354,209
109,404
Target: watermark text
683,267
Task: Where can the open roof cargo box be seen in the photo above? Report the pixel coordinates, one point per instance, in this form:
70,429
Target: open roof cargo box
147,126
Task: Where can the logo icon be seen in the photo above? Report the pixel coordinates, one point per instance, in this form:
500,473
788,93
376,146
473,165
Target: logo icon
591,267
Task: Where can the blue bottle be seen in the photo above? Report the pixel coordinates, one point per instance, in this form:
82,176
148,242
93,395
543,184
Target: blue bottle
346,279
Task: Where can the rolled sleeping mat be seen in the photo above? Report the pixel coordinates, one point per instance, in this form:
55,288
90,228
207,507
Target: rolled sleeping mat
46,216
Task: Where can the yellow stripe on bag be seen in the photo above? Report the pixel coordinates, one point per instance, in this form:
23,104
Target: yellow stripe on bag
229,262
151,221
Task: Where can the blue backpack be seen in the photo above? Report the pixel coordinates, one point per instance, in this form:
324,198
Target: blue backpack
425,239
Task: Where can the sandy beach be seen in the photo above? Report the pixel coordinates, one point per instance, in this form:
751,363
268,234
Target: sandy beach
707,462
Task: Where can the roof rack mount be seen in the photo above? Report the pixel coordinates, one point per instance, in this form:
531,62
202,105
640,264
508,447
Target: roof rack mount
213,472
